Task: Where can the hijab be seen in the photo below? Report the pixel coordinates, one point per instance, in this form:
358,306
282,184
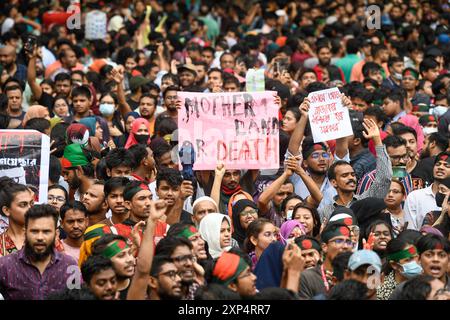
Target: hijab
210,231
287,227
90,123
269,268
239,233
36,111
134,129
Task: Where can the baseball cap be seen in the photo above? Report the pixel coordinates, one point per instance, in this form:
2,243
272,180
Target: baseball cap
362,257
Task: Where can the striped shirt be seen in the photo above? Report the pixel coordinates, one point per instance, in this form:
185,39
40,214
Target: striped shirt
366,181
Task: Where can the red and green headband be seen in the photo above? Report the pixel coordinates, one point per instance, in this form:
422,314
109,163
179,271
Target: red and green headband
409,252
129,194
228,267
187,232
114,248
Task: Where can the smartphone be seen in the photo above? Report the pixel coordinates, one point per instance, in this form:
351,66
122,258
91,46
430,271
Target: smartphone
30,43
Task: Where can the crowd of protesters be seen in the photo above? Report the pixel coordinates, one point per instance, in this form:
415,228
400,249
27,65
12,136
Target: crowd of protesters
356,218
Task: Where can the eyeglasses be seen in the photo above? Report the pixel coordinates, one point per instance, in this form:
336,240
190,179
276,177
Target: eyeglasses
248,213
398,158
248,273
182,259
339,242
58,199
354,229
171,274
316,155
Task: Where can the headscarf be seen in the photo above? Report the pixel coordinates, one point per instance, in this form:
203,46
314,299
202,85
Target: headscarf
227,268
432,230
239,233
77,133
134,129
92,234
90,123
287,227
210,231
36,111
269,268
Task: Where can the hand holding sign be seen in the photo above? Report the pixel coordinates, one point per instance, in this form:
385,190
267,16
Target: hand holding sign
328,118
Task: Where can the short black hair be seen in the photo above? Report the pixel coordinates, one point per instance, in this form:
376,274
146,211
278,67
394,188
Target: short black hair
170,88
73,205
64,76
82,90
215,70
440,139
94,265
431,241
157,263
394,142
332,169
38,124
410,236
119,157
417,288
115,183
427,64
378,113
139,152
396,96
41,211
349,290
167,245
161,150
172,176
404,129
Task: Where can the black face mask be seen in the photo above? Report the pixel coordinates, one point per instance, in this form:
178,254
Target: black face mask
440,199
142,138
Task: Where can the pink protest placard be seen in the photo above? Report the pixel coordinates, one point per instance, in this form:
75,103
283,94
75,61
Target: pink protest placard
238,129
328,118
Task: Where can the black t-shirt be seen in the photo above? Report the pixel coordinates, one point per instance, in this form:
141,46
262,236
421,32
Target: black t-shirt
133,104
47,100
422,175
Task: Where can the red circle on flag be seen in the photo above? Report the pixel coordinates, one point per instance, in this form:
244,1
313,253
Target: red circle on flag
412,250
192,229
344,231
121,244
306,244
348,221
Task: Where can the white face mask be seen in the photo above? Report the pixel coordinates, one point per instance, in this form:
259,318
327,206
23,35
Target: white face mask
438,110
289,214
429,130
397,76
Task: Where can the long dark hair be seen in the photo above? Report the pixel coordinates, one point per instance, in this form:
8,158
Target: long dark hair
315,216
253,230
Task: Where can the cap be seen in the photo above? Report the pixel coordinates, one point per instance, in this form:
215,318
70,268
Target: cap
136,82
362,257
188,67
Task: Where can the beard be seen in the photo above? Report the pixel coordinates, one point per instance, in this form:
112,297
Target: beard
317,172
425,154
38,256
76,182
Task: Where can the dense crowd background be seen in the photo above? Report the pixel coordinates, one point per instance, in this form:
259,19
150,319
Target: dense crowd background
355,218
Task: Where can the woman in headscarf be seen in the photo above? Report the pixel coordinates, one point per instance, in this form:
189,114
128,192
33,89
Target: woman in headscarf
215,229
128,121
140,133
290,230
36,111
243,213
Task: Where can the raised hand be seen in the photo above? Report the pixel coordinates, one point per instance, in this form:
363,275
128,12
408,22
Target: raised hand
117,74
220,170
277,101
346,101
292,258
186,189
371,128
304,108
368,245
158,210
